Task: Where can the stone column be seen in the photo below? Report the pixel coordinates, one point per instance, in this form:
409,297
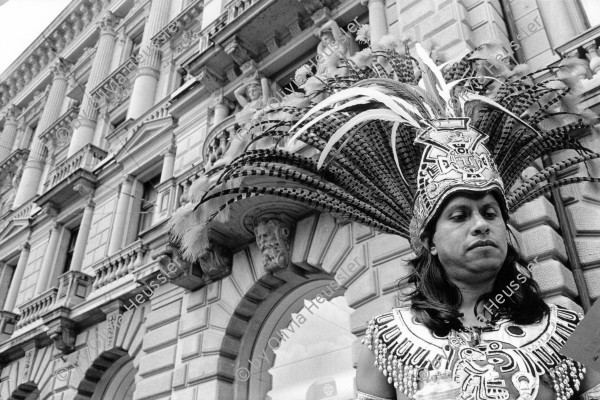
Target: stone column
377,20
8,133
168,164
15,286
562,20
88,112
43,280
118,230
34,168
146,81
83,235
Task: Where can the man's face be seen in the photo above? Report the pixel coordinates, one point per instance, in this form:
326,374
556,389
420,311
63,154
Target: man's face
470,238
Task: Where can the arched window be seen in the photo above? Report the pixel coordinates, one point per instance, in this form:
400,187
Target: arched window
303,348
118,382
315,362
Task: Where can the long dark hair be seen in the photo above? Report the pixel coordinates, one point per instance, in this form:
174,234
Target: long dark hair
436,300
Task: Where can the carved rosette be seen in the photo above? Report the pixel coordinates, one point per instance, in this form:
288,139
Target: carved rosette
273,238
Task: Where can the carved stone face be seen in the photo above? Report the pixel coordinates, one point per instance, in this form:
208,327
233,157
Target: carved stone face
327,38
273,240
254,92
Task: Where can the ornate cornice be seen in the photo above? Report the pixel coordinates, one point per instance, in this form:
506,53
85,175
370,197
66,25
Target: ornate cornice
54,40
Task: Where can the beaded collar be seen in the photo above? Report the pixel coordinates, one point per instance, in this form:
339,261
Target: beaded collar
507,364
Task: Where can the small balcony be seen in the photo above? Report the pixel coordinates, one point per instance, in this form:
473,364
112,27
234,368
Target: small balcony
117,269
58,136
32,311
73,177
117,86
179,24
73,288
218,141
585,47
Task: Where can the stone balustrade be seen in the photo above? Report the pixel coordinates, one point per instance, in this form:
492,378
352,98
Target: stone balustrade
85,159
176,26
12,162
59,134
584,47
219,139
232,11
117,86
35,308
118,265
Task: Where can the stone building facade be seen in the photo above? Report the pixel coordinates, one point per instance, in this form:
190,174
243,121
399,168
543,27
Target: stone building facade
108,119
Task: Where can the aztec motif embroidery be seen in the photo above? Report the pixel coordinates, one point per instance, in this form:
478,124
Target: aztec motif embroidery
494,369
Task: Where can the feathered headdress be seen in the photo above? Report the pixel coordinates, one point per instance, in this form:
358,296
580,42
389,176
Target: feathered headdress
397,136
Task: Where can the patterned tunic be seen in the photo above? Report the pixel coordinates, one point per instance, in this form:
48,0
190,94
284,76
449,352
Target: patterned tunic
507,364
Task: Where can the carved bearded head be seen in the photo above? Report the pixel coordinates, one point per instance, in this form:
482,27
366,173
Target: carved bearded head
273,240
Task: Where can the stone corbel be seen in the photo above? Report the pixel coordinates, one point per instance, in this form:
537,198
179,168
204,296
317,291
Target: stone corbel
273,237
272,42
213,265
208,79
50,210
321,16
85,189
295,26
8,322
238,50
62,333
312,6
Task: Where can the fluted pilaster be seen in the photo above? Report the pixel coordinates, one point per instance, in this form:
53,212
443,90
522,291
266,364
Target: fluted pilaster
144,87
564,19
15,286
82,236
34,167
118,230
49,260
88,112
377,20
9,132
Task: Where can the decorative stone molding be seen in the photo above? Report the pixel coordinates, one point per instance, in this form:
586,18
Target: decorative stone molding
312,6
60,69
272,42
108,23
214,264
210,80
216,261
237,50
273,238
179,271
62,333
8,321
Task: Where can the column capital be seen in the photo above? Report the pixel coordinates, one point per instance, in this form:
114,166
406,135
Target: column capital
107,23
60,69
25,246
11,113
